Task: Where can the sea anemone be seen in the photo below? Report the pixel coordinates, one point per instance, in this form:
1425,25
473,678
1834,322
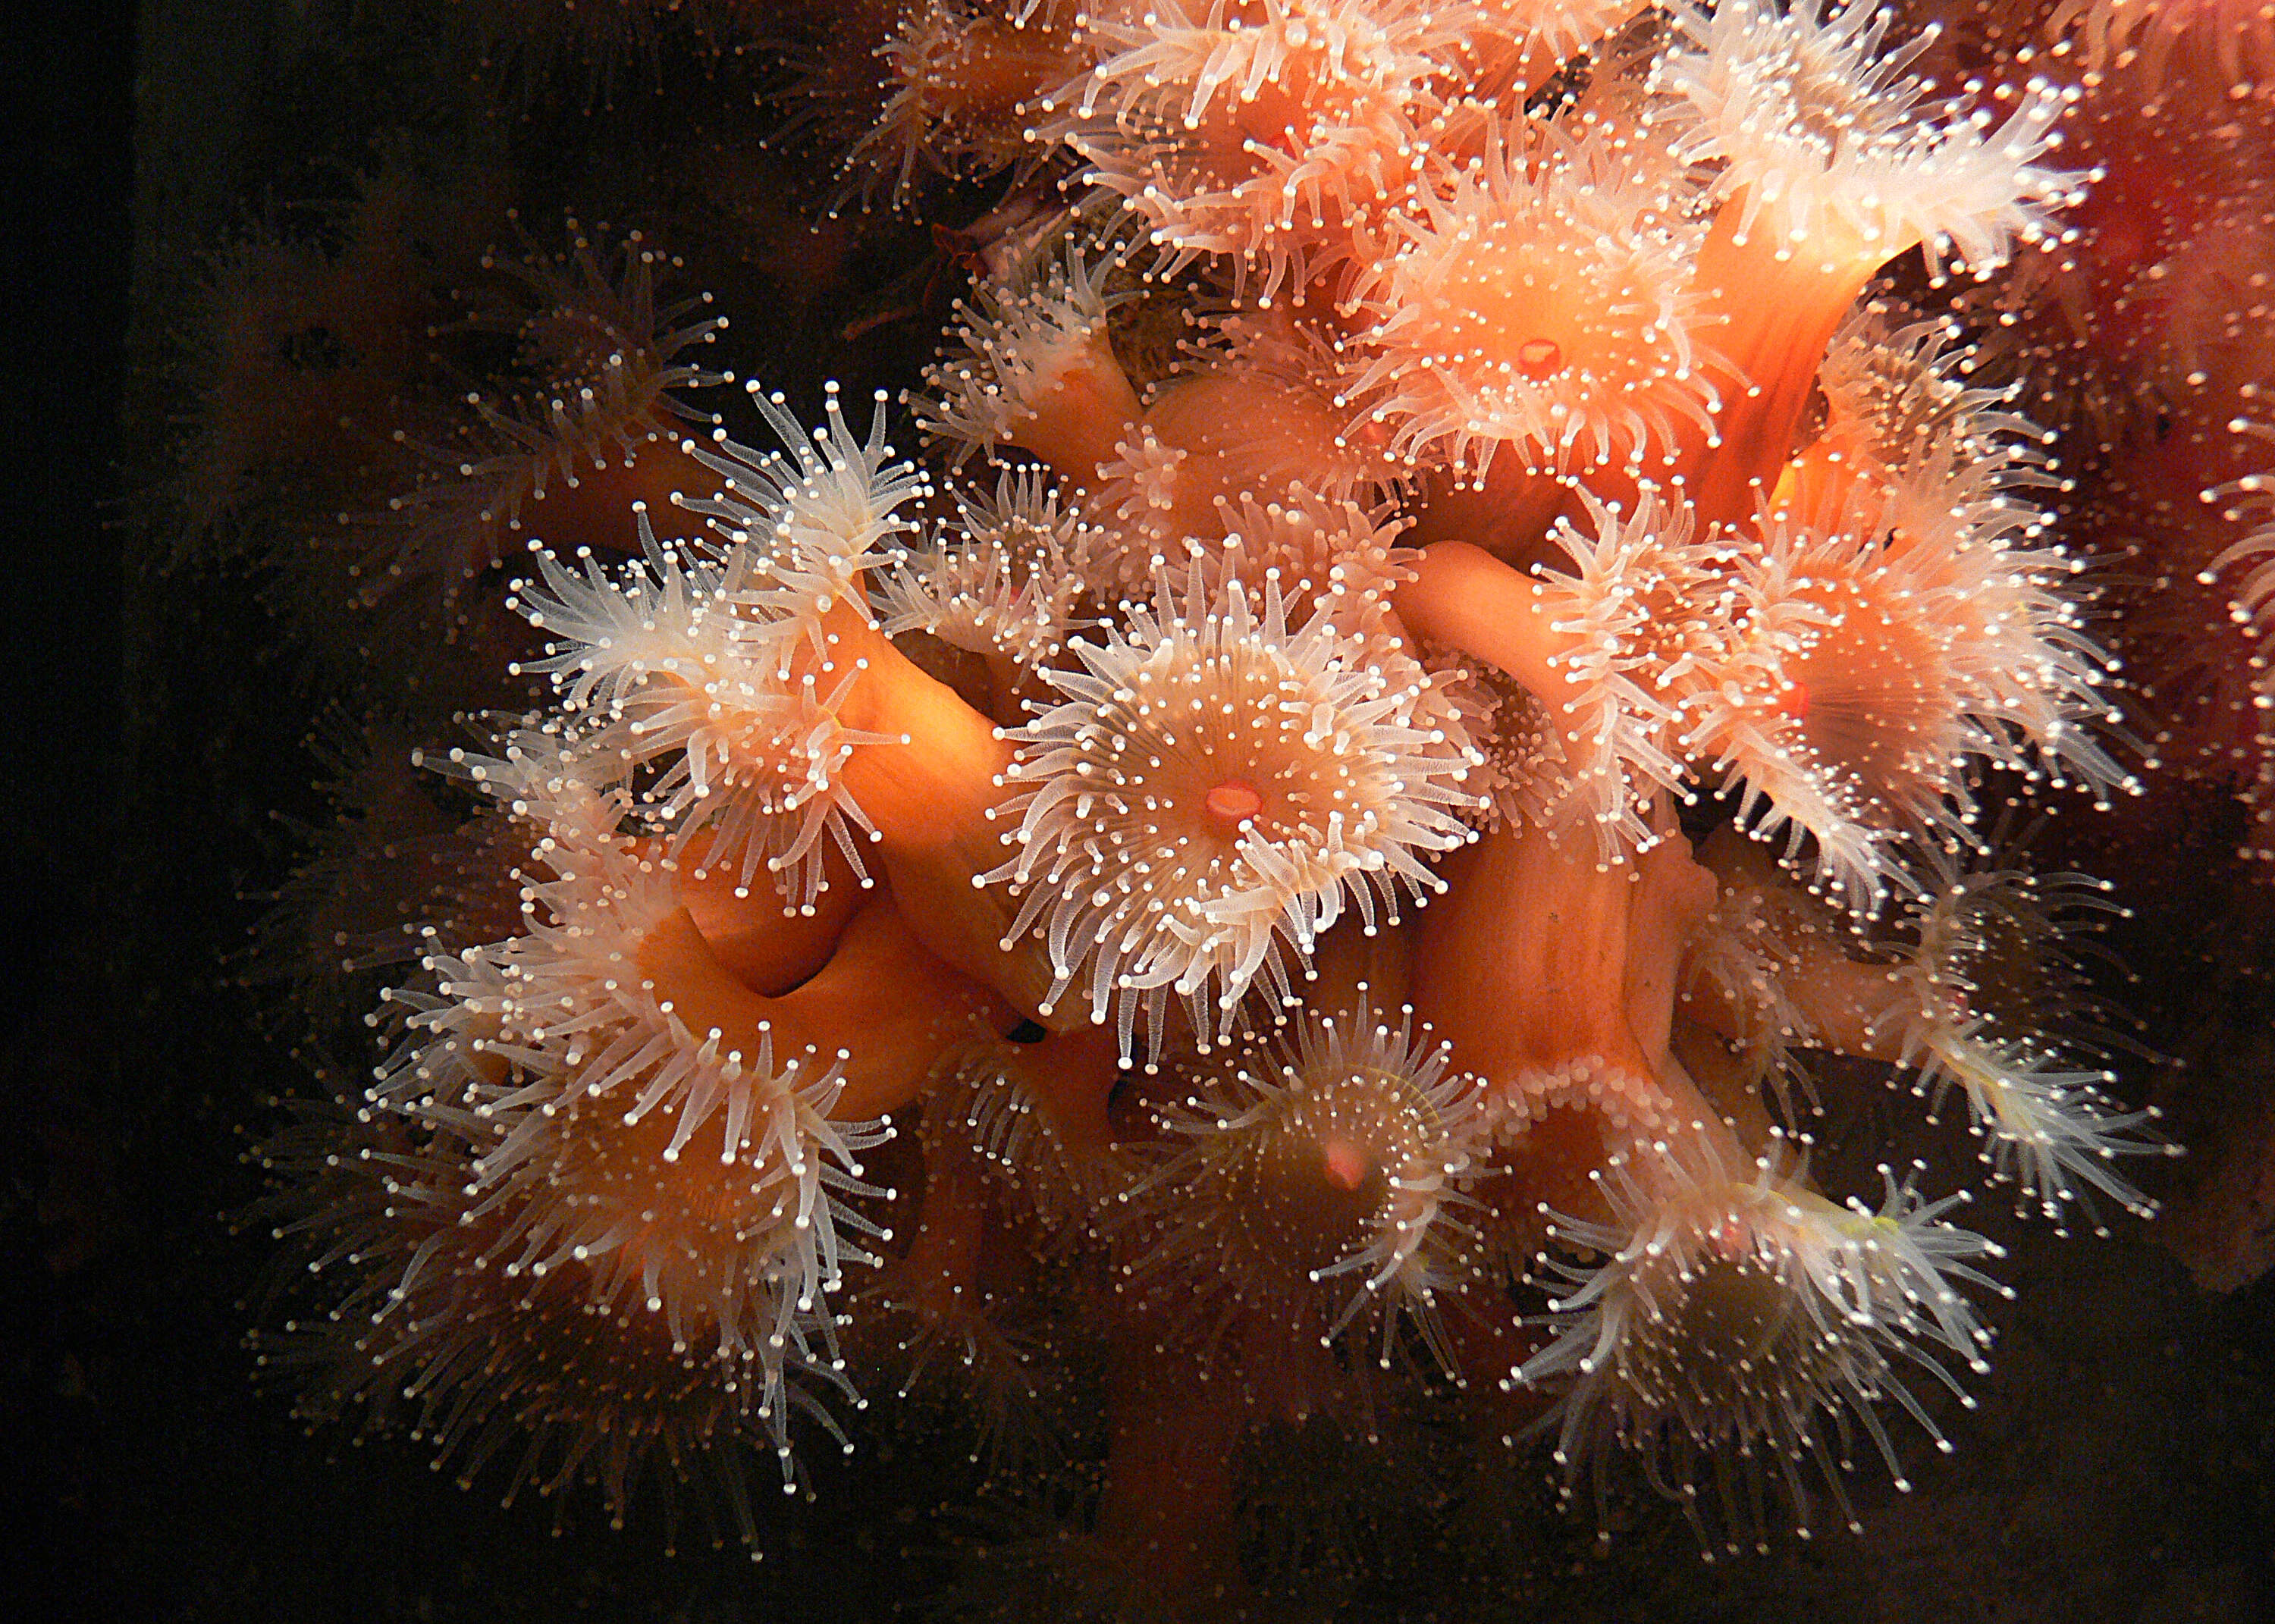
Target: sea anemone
693,660
1751,955
743,1247
1011,583
1343,1150
1474,452
670,672
1035,369
1885,649
1541,300
1255,425
2234,39
1211,784
1332,558
802,529
961,73
2249,502
1264,134
1837,710
1992,999
1733,1313
1825,142
1644,604
592,423
425,1322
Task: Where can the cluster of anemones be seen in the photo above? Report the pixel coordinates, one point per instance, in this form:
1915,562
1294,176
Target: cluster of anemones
1279,839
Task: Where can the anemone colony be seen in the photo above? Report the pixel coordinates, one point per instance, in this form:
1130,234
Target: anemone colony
1484,582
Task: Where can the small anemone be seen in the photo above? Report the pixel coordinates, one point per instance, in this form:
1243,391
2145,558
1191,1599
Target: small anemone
1013,583
1994,999
959,78
803,528
1751,950
1343,1152
1251,425
1264,138
1732,1314
550,51
662,669
1542,302
1330,557
1885,652
2249,563
1523,778
1648,603
425,1328
1899,412
1562,28
2164,39
1827,144
713,668
607,366
1028,353
565,1051
745,1247
1839,710
1211,784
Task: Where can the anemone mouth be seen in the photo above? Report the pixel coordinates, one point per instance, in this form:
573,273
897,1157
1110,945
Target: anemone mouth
1211,784
1544,303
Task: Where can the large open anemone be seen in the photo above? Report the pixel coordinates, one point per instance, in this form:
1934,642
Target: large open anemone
1211,784
1538,304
